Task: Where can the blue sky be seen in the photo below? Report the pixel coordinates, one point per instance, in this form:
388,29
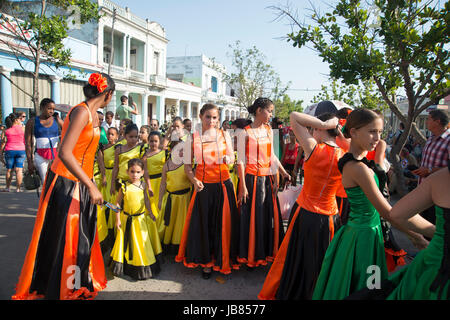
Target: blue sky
205,27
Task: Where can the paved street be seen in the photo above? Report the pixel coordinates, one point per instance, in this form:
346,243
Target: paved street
17,215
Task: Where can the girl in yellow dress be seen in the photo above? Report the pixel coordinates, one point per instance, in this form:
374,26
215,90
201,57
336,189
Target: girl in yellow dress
154,160
105,218
174,198
124,153
144,134
137,246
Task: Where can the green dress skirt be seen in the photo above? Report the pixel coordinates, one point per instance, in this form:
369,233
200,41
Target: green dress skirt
355,258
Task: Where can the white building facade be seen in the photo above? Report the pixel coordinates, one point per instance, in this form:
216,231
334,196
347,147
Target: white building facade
134,55
203,72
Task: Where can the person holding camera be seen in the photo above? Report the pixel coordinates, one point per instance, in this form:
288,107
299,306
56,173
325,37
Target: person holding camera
44,131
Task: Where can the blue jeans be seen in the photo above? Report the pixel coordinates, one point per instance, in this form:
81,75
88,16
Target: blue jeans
14,158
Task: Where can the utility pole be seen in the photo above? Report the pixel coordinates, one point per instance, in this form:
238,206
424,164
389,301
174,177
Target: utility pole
111,59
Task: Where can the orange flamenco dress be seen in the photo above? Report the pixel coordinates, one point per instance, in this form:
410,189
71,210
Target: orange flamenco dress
64,259
313,221
261,225
211,231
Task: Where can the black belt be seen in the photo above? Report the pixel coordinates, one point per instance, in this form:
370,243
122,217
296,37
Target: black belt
155,176
128,233
168,208
109,168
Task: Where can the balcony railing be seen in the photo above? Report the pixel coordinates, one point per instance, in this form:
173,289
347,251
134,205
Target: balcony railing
137,75
158,80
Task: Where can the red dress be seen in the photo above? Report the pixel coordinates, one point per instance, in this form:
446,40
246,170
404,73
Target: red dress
64,259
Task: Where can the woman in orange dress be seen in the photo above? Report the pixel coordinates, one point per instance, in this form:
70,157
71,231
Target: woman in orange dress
211,231
64,259
314,217
261,225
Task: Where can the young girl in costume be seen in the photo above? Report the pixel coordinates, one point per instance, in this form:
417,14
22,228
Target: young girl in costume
174,197
314,216
261,225
427,276
144,133
124,153
211,230
65,242
105,216
289,157
122,125
154,160
137,245
176,133
358,245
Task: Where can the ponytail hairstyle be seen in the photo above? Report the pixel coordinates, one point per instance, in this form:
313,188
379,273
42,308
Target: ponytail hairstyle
98,84
359,118
262,103
9,120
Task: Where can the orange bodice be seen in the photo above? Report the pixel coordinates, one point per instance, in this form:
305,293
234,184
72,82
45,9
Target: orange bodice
322,179
209,152
258,151
84,150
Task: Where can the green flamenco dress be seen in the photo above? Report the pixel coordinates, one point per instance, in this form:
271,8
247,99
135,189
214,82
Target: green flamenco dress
427,277
355,248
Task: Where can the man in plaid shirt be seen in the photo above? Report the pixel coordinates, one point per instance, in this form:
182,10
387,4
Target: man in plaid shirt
436,152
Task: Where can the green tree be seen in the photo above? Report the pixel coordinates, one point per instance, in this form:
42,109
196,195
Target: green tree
285,106
358,96
398,44
252,77
37,33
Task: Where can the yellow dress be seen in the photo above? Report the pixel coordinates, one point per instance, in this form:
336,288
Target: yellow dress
155,165
102,223
124,157
175,205
106,217
137,245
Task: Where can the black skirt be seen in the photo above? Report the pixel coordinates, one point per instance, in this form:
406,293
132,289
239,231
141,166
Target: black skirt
310,237
211,231
261,224
64,245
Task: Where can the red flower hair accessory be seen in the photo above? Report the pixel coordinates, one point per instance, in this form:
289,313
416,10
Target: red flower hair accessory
97,80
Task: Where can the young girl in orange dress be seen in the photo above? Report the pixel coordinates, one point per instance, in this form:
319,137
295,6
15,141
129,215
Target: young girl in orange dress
314,217
261,226
211,231
64,259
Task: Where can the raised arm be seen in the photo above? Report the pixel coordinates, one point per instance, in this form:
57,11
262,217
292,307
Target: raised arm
299,124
